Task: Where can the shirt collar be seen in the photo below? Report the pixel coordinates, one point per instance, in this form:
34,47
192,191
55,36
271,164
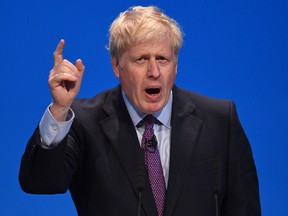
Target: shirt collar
164,115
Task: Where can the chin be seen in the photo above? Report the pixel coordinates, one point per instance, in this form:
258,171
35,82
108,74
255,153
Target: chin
152,109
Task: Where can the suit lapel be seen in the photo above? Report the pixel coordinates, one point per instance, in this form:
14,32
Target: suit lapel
186,128
118,128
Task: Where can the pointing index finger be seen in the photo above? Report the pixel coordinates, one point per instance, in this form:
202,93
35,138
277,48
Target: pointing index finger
58,54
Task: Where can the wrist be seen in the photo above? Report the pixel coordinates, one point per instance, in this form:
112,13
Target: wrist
58,112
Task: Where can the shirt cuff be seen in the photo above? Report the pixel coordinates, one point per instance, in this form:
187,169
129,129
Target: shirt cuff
52,131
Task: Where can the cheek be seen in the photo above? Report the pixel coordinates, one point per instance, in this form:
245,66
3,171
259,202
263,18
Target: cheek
133,81
129,85
171,79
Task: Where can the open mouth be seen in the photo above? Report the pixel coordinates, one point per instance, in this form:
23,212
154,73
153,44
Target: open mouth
152,91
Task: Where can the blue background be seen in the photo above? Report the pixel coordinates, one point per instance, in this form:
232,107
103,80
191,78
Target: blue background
233,49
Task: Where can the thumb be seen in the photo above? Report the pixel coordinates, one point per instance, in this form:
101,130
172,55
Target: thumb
79,65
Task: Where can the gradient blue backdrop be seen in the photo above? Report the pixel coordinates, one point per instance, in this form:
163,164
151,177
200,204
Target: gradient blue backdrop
233,49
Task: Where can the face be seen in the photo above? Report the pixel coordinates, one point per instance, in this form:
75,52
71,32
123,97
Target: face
147,72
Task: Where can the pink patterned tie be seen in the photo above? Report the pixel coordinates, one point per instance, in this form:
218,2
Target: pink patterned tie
153,163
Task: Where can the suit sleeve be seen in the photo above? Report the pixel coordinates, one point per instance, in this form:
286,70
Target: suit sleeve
48,171
242,190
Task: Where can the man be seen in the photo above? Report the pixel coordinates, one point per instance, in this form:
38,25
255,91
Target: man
90,146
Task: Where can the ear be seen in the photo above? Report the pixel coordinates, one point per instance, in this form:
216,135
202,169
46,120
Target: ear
115,66
176,68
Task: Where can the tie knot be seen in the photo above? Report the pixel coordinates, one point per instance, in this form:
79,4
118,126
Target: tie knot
149,120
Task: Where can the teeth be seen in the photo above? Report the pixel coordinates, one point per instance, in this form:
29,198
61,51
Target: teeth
153,90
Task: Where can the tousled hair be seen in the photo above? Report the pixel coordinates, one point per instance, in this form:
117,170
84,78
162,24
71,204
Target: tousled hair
140,24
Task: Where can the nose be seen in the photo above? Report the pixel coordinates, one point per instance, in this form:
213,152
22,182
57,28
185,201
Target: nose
153,69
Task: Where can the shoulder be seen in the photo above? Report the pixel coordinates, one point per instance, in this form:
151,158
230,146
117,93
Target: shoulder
94,106
202,104
199,100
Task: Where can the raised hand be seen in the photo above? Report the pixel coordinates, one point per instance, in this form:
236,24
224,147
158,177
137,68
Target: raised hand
64,82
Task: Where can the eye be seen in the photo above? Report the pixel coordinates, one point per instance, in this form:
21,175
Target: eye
141,60
162,59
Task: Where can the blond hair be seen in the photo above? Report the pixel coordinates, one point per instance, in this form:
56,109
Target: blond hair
140,24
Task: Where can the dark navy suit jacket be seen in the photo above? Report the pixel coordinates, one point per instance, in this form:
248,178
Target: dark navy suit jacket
97,160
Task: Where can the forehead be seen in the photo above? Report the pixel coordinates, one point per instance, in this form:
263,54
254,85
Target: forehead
152,47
